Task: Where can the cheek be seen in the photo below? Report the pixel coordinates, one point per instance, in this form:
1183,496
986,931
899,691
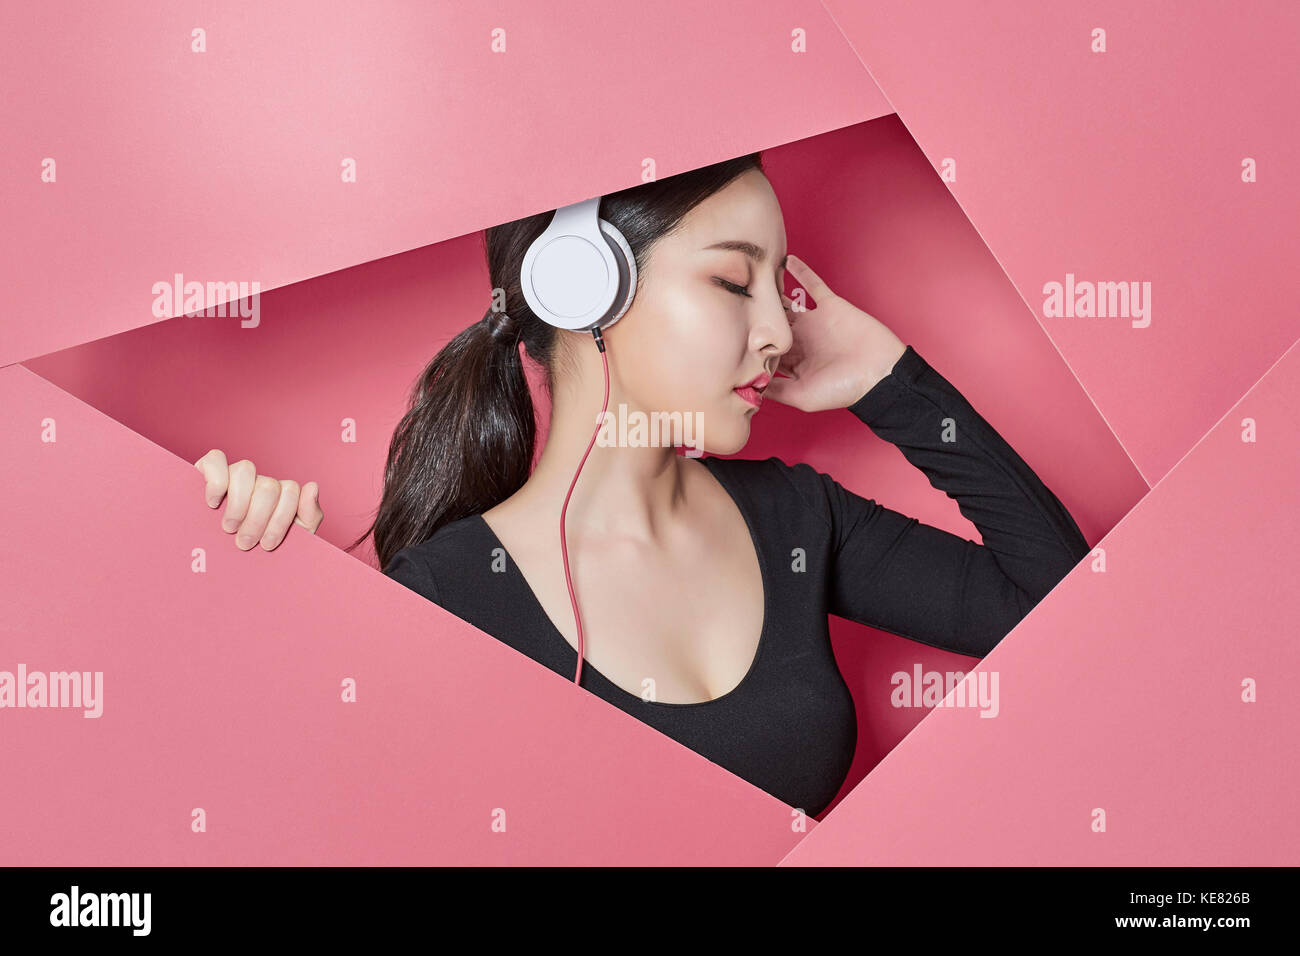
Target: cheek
685,354
685,379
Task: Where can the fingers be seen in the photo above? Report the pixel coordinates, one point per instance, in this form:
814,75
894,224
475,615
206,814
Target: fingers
792,360
260,508
213,467
810,280
309,514
238,495
285,508
787,391
262,504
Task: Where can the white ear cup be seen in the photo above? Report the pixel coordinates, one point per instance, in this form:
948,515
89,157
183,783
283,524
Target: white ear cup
579,274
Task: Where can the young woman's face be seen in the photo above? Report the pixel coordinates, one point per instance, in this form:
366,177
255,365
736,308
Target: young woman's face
708,316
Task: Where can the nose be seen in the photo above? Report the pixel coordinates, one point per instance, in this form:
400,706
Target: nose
770,333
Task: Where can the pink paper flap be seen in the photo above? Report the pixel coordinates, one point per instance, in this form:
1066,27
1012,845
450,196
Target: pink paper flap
223,690
1125,697
229,165
1119,166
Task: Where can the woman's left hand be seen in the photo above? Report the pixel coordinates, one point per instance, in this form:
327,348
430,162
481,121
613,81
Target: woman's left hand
839,351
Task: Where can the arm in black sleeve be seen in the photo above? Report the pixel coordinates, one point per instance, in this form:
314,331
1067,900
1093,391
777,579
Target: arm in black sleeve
894,573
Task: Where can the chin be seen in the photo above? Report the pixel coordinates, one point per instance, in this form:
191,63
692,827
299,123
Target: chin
727,441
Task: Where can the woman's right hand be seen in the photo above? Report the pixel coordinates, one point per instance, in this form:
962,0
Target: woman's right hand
838,352
260,508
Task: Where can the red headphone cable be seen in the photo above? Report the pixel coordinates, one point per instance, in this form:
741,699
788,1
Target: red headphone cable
564,550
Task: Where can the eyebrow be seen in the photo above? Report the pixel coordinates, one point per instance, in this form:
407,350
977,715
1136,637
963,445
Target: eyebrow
755,252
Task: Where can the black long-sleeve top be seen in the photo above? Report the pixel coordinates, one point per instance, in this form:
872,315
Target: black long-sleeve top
789,727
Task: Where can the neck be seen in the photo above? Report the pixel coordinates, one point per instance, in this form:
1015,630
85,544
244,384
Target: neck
623,492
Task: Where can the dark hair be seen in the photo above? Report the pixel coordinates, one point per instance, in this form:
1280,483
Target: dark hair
466,441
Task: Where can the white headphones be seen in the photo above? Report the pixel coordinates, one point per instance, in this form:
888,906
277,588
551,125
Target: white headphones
580,273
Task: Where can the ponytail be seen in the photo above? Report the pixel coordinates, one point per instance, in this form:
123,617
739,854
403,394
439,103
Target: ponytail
466,441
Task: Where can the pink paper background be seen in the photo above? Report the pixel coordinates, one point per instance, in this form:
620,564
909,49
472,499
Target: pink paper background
1123,691
226,165
1122,166
1119,166
222,690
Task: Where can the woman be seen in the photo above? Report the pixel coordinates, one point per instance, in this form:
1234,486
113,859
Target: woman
704,583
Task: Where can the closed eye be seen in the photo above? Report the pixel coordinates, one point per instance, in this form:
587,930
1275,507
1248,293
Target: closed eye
732,287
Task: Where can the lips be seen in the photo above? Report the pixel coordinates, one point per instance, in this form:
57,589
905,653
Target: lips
752,391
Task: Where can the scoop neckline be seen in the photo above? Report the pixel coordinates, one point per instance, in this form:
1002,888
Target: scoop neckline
556,635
